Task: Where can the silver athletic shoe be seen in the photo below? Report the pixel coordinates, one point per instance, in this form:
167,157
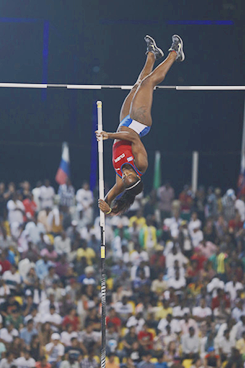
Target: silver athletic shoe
177,46
152,47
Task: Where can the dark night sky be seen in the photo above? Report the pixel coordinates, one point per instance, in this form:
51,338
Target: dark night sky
101,42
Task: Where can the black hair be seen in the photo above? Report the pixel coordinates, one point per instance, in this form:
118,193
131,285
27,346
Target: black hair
123,203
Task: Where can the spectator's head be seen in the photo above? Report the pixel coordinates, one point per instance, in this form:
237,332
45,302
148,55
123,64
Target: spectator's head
147,356
29,324
186,317
169,317
72,312
85,185
110,327
227,334
203,303
43,361
174,250
211,351
132,330
191,331
74,339
9,356
27,353
9,325
168,329
124,300
89,327
194,216
161,357
55,337
46,183
13,269
111,357
52,309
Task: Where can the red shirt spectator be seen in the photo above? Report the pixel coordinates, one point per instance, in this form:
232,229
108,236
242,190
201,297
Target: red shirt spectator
200,258
219,298
72,319
145,338
30,207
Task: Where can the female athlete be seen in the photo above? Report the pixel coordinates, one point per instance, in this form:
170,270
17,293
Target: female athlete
129,156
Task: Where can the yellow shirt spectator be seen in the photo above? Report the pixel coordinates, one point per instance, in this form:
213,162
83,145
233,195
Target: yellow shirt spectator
163,312
86,252
240,345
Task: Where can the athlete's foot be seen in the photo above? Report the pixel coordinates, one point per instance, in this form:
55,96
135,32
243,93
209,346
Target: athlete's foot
152,47
177,46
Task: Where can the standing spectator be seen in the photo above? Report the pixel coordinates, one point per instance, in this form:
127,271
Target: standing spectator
16,210
165,195
12,278
85,201
89,361
30,207
228,201
186,200
67,195
8,361
46,195
36,194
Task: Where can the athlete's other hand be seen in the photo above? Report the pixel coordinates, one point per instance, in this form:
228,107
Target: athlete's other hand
103,206
102,135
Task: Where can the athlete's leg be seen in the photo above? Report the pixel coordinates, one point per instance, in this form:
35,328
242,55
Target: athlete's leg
147,69
153,53
142,101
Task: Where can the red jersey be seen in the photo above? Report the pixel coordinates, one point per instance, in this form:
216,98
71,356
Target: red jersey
121,155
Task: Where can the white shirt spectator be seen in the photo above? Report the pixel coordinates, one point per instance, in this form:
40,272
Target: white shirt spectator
190,344
237,313
174,324
201,312
177,284
84,199
12,279
14,211
186,325
22,362
197,237
223,327
7,336
170,258
54,351
44,307
62,245
134,271
138,323
34,230
171,272
46,196
52,318
240,206
232,289
194,224
65,337
136,257
226,345
124,310
179,312
4,291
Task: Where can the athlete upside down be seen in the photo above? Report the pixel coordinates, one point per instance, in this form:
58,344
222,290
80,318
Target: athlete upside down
129,155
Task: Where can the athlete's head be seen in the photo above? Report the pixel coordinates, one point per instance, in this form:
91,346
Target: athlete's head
129,176
133,186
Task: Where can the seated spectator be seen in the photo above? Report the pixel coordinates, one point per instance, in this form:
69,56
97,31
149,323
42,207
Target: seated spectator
16,318
240,345
50,277
93,317
202,312
163,310
145,338
42,363
112,338
235,361
186,323
89,361
71,319
7,334
31,252
16,209
62,244
174,324
177,283
190,344
232,287
49,251
238,311
113,318
55,350
225,345
111,361
8,361
36,349
31,279
146,362
25,360
27,332
171,353
53,318
89,337
12,277
42,266
211,359
85,251
124,309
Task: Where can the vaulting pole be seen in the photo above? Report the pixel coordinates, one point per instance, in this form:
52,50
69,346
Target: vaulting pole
102,228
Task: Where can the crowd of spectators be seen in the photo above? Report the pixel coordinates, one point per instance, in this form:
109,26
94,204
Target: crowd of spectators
174,272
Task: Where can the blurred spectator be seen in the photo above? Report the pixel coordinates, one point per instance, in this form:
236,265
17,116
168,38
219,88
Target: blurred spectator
46,195
84,197
165,195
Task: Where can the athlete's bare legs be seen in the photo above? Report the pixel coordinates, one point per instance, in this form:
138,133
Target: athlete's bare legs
147,69
140,109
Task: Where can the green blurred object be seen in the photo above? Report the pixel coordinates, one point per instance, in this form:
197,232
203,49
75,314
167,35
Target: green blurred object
157,171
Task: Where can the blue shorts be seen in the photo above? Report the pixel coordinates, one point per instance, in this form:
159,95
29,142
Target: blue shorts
139,128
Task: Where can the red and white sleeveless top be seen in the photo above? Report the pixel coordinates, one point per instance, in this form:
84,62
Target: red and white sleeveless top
121,155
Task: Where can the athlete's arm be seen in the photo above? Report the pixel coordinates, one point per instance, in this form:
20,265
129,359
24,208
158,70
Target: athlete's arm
117,189
122,135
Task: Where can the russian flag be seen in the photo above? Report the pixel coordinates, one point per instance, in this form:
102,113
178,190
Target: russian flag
64,170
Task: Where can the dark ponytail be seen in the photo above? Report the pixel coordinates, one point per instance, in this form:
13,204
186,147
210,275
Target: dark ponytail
122,204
